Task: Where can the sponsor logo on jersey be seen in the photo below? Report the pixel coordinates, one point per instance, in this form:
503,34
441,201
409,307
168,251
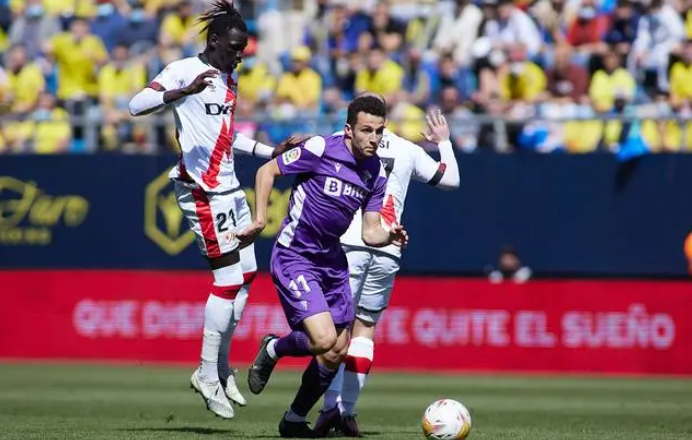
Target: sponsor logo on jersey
291,156
164,223
29,216
335,188
214,109
337,167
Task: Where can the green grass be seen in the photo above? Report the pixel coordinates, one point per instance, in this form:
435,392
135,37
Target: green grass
45,401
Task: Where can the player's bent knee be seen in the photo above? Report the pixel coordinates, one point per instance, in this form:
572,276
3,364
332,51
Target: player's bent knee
333,358
323,342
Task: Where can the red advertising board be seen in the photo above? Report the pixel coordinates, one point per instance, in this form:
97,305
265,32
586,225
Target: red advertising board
432,323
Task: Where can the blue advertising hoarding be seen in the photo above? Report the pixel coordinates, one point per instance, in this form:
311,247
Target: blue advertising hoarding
568,215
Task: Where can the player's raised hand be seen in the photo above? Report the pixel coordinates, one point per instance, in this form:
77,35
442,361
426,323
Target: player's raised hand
201,82
251,233
438,130
398,236
291,142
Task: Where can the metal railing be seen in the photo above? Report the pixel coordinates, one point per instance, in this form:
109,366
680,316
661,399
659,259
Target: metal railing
158,127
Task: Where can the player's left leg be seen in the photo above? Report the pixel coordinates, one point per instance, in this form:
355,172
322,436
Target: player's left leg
315,381
212,218
358,264
374,298
226,373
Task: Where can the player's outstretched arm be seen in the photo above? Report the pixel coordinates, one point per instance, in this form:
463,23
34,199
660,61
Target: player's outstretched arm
445,174
375,235
155,95
250,147
264,181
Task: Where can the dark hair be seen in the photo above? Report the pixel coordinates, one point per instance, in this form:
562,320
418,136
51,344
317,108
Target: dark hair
508,249
365,104
221,18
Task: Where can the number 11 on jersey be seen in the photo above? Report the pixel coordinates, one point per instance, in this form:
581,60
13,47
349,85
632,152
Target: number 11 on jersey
297,284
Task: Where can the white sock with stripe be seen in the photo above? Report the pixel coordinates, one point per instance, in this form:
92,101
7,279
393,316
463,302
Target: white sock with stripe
356,368
218,317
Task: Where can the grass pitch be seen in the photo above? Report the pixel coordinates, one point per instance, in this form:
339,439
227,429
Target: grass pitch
44,401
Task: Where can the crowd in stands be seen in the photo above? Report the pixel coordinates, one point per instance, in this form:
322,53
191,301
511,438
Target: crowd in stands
566,75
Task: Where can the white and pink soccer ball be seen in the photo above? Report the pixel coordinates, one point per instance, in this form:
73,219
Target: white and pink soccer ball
446,419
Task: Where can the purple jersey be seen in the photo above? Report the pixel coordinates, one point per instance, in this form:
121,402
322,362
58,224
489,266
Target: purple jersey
330,188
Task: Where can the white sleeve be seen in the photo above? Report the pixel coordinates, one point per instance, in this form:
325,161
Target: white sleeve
443,174
151,98
250,147
146,101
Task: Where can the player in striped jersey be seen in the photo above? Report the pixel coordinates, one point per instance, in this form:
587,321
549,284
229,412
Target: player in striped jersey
202,91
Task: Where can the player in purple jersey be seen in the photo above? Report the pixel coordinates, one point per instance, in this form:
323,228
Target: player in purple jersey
335,176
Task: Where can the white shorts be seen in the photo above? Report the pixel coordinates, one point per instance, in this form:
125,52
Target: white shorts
372,280
214,218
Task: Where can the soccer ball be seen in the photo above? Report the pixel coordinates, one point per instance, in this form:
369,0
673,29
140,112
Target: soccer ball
446,419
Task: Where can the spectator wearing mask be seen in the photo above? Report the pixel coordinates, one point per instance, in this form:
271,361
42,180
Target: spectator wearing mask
301,86
404,118
118,82
141,30
450,74
623,30
46,130
586,33
180,28
521,80
418,78
25,80
381,75
567,80
77,54
256,83
457,33
383,30
660,30
109,25
512,26
610,81
681,78
32,27
345,28
463,128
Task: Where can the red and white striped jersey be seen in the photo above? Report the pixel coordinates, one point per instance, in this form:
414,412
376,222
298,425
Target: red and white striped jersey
403,161
204,125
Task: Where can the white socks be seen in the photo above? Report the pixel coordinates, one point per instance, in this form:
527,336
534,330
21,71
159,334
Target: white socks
271,351
332,397
218,317
350,380
225,348
356,369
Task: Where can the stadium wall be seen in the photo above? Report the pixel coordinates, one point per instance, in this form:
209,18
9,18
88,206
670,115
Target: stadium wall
576,216
447,324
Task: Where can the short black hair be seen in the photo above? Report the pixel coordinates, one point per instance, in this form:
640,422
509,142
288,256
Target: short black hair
221,18
365,104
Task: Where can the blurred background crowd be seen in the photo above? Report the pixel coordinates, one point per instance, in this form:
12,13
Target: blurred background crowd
544,75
